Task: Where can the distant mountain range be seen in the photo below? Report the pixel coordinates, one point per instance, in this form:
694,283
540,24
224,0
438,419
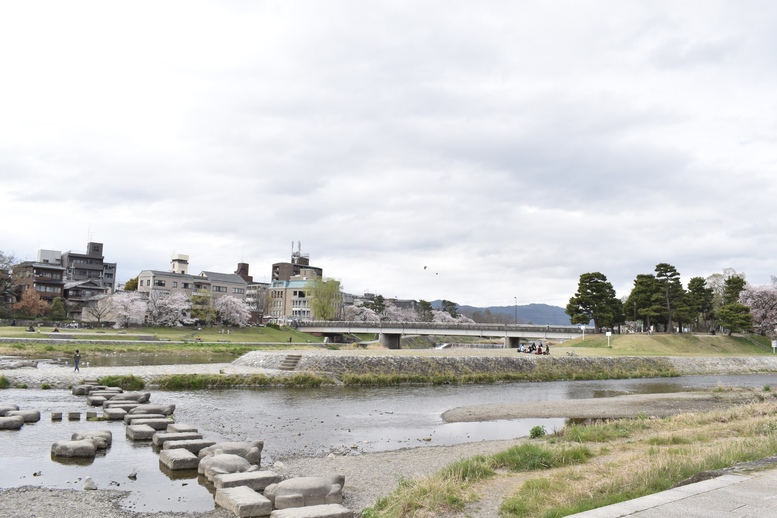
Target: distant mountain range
538,314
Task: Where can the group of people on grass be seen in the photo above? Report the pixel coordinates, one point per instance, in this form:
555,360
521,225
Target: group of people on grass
534,348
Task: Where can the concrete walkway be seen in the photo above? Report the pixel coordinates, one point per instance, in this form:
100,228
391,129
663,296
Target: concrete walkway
741,495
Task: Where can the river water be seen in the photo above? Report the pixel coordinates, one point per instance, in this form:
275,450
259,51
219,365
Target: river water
291,422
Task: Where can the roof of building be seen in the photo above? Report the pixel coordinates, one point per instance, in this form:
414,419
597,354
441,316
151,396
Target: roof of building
173,274
224,277
36,264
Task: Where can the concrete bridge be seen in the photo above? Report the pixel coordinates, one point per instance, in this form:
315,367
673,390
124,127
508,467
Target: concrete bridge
391,332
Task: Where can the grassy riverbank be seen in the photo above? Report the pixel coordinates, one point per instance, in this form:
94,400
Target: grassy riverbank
583,467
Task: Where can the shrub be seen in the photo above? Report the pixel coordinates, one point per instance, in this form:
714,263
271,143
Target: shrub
4,383
129,382
45,386
537,432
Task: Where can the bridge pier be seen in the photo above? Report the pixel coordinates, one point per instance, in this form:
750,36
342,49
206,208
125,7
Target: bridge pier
512,342
390,340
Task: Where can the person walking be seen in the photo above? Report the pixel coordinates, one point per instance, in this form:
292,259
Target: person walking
77,360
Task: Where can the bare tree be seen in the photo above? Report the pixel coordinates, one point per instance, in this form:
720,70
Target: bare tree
97,308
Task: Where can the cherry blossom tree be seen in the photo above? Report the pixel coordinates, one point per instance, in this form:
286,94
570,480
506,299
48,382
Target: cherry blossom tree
168,308
763,306
359,314
129,307
232,310
97,309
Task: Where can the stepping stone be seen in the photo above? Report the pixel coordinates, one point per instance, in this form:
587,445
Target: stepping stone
161,437
82,448
74,416
178,459
56,416
140,432
11,422
256,480
193,445
180,427
95,400
29,416
114,414
131,418
157,424
243,501
91,415
4,409
314,511
124,405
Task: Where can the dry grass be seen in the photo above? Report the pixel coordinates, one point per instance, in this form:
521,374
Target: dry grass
631,458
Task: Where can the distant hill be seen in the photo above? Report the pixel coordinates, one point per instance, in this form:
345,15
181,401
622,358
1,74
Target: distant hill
538,314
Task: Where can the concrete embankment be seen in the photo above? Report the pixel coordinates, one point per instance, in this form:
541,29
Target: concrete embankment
427,363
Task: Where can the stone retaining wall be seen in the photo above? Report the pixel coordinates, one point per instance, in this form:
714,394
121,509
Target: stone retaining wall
339,364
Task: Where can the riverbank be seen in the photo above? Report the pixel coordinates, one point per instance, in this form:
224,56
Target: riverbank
429,363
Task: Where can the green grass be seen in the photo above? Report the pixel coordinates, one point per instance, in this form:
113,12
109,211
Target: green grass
449,490
211,381
676,344
4,382
124,382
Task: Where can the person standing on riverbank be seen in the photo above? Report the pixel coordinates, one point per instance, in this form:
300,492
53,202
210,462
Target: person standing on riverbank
77,360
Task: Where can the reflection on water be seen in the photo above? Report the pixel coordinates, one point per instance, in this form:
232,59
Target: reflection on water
291,422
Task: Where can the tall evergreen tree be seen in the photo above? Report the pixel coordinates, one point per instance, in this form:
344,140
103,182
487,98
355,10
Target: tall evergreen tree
595,300
700,299
668,279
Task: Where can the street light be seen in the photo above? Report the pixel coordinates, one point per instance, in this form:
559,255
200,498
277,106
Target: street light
516,310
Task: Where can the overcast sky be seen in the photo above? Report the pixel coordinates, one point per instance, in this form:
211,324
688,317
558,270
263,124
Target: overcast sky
483,152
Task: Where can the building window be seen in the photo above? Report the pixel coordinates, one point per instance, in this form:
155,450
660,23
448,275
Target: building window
220,289
187,286
239,291
159,282
175,284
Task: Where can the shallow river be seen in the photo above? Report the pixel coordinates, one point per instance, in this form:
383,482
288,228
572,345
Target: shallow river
291,422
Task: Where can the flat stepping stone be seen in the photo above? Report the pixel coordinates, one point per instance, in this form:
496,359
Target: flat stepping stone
11,422
256,480
314,511
131,418
95,400
114,414
74,416
29,416
161,437
243,501
155,423
193,445
140,432
120,404
180,428
81,448
56,416
178,459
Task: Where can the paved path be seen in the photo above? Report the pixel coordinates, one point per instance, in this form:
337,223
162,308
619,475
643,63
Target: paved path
748,495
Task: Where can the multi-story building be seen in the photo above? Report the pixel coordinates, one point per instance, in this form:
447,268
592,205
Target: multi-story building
299,262
217,284
45,278
291,299
79,294
80,266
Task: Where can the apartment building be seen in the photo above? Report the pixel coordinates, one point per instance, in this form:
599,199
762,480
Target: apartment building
47,279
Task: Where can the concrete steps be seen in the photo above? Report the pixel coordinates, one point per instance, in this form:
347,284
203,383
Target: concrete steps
290,362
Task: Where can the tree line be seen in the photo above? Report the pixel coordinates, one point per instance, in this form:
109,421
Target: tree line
723,301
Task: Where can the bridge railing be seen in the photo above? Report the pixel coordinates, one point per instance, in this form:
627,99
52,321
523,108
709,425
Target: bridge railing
438,326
